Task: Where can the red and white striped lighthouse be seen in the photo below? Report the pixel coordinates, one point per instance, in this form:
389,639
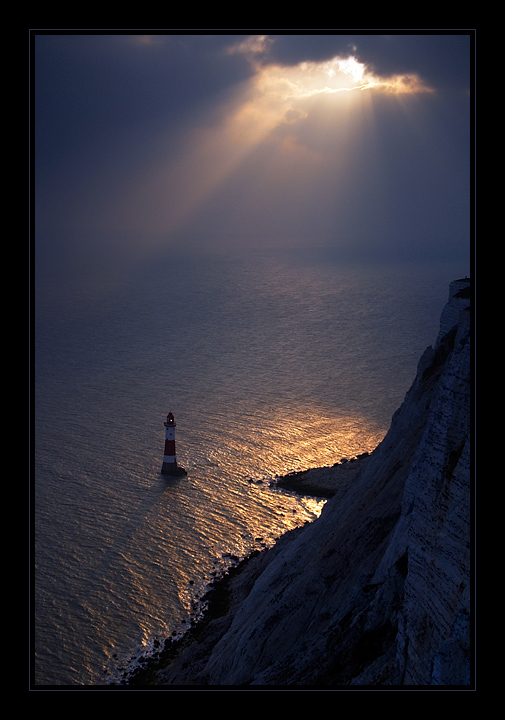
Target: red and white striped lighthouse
170,466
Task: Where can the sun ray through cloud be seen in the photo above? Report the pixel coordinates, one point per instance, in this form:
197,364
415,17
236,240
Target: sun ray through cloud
310,109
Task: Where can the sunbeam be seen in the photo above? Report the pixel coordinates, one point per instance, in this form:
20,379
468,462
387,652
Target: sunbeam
302,115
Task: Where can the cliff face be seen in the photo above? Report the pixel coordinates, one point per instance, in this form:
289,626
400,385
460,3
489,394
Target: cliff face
376,591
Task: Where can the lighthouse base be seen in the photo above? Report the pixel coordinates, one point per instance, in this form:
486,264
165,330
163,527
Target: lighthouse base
173,470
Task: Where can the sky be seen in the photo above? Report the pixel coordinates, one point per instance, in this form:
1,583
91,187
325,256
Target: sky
355,145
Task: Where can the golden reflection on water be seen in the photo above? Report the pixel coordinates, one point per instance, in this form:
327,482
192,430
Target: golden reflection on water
211,516
286,441
169,538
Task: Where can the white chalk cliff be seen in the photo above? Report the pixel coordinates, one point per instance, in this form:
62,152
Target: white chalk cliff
376,591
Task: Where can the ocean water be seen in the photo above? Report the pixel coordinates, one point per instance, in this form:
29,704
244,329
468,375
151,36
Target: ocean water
269,363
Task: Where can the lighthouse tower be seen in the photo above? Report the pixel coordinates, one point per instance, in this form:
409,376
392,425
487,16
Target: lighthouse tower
170,466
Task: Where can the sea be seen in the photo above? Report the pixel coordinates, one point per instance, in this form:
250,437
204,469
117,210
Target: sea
270,363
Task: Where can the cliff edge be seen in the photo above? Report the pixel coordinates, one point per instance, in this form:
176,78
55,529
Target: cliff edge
376,591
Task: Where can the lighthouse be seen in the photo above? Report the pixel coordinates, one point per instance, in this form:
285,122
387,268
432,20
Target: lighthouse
170,466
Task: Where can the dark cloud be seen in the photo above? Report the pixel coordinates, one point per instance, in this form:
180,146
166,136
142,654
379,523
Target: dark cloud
440,58
90,87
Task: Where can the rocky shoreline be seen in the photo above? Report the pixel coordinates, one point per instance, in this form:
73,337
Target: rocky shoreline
322,482
217,601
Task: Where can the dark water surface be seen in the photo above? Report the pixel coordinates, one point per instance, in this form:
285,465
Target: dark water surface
269,365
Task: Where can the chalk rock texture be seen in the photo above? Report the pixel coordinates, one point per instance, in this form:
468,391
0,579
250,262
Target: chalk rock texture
376,591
